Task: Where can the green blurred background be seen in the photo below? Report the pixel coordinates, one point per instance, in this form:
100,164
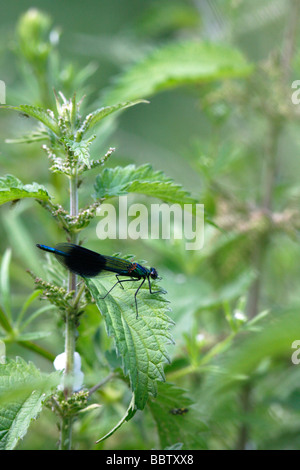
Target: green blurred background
234,144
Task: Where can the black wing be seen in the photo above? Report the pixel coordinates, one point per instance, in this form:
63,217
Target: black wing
80,260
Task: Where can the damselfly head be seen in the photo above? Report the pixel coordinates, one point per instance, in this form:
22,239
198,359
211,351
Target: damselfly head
153,273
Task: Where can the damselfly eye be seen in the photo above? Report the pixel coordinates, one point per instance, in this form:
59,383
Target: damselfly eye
153,273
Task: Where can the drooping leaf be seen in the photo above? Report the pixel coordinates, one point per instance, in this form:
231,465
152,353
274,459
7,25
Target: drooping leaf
38,135
11,189
5,323
176,418
130,412
119,181
178,64
23,390
141,342
42,115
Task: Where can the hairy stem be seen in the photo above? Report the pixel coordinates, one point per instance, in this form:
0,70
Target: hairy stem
70,329
66,433
103,382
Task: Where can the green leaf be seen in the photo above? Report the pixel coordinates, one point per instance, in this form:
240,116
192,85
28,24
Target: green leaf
35,136
130,412
11,189
32,336
178,64
175,427
93,118
27,303
4,321
42,115
119,181
81,149
23,390
142,341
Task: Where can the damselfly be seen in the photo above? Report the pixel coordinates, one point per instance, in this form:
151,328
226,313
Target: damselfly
87,263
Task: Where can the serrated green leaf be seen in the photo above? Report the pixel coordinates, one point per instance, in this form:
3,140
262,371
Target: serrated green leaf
11,189
23,389
173,428
93,118
142,341
178,64
40,114
119,181
81,149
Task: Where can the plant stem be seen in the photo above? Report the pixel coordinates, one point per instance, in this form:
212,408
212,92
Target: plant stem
70,330
78,295
66,434
103,382
37,349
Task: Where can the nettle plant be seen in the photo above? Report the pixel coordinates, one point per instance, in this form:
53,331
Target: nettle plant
140,343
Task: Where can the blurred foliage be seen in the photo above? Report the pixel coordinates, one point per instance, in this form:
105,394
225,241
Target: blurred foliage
226,130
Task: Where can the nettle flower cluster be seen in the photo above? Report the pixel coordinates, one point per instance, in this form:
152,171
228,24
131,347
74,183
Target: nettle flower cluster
68,137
